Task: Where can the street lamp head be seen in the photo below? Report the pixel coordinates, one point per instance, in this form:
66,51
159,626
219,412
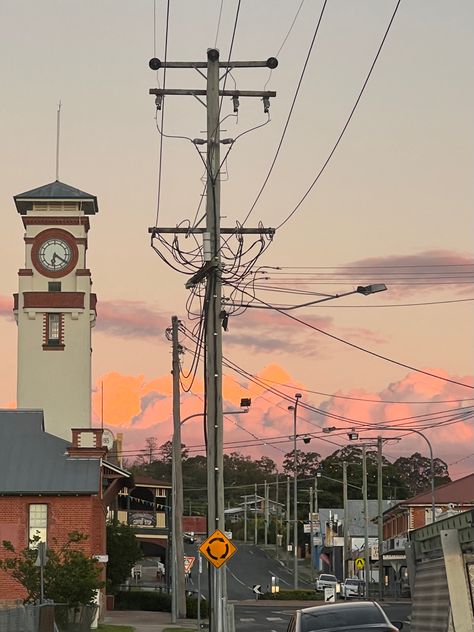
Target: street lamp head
371,289
291,407
306,439
353,436
298,395
245,402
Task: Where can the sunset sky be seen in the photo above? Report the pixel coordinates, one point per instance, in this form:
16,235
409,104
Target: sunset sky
394,205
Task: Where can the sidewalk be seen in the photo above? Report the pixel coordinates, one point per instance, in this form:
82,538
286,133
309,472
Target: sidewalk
147,621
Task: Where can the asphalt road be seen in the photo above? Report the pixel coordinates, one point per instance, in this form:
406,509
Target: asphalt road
249,566
275,617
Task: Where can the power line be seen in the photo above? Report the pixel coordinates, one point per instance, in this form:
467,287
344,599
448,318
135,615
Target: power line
358,347
346,125
290,113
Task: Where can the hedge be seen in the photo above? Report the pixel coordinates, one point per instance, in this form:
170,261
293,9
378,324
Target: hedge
295,595
156,602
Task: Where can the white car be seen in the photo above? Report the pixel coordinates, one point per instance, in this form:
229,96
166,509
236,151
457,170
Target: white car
326,581
352,587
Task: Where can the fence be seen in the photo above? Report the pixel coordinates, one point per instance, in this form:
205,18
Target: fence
47,618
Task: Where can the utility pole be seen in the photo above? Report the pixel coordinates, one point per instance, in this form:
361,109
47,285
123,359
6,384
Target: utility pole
366,521
212,273
346,520
380,513
316,511
178,596
277,516
255,523
266,514
245,519
311,533
287,520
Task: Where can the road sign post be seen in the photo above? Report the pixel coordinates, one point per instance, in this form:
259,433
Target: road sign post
217,548
329,595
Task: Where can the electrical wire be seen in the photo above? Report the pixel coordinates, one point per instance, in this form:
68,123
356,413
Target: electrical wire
160,159
363,349
290,113
346,125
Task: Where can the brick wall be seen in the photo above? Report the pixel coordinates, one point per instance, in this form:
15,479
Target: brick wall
65,514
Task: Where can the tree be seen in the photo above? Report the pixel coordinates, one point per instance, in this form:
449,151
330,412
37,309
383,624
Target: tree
123,551
415,472
70,576
307,463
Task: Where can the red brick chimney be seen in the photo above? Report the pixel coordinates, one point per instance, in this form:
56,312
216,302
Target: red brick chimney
87,443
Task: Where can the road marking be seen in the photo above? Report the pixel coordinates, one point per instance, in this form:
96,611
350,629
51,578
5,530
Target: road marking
247,620
279,578
237,579
274,619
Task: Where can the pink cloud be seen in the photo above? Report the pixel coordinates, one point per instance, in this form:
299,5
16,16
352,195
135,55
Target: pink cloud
6,307
141,409
134,319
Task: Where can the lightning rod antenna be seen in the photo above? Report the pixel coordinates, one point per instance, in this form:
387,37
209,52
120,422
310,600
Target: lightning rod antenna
58,129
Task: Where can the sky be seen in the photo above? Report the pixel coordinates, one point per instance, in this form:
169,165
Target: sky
393,205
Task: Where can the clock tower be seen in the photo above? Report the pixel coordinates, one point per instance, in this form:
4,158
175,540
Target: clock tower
54,308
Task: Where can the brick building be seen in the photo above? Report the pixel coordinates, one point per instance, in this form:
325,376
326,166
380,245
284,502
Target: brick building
413,513
50,487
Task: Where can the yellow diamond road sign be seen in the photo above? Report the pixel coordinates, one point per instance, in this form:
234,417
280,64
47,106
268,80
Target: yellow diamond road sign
360,563
217,548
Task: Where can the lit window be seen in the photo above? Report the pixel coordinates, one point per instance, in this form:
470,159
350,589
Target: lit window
38,523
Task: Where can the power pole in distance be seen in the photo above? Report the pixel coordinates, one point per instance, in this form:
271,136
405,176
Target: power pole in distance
212,273
178,596
345,503
380,513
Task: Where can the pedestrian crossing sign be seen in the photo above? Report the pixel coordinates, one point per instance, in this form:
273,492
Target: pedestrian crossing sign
360,563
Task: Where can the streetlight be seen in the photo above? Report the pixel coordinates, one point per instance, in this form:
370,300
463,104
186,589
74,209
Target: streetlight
177,498
295,493
374,288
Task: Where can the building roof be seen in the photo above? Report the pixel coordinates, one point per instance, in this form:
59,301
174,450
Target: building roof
33,461
148,481
56,191
458,492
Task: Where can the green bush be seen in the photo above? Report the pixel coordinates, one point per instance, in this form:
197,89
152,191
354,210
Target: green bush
296,595
191,608
143,600
157,602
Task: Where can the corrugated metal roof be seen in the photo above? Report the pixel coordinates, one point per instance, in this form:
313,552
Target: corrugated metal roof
459,492
35,462
56,191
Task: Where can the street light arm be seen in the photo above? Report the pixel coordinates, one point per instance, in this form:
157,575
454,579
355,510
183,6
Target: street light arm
361,289
227,412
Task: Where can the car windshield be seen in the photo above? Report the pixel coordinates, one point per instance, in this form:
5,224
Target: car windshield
331,618
353,582
328,578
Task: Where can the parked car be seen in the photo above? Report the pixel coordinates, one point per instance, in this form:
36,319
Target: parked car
326,581
352,587
360,616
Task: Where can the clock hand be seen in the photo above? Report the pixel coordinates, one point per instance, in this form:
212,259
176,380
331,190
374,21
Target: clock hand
60,258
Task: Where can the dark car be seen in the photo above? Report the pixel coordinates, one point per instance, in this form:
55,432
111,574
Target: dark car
364,616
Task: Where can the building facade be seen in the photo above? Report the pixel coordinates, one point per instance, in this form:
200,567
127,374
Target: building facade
54,307
50,488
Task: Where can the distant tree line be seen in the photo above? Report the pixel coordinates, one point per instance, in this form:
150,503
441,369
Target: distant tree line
403,478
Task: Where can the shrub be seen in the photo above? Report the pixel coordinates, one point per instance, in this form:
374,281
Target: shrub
156,602
296,595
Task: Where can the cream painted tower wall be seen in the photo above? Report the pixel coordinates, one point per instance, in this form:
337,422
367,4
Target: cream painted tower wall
55,378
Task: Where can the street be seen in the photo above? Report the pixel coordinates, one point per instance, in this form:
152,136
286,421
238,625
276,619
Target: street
274,617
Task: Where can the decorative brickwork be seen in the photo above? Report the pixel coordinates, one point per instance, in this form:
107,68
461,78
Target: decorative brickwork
53,300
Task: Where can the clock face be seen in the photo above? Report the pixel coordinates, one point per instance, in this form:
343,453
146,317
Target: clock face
54,254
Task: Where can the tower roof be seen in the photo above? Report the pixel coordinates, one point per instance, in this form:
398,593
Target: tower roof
56,191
